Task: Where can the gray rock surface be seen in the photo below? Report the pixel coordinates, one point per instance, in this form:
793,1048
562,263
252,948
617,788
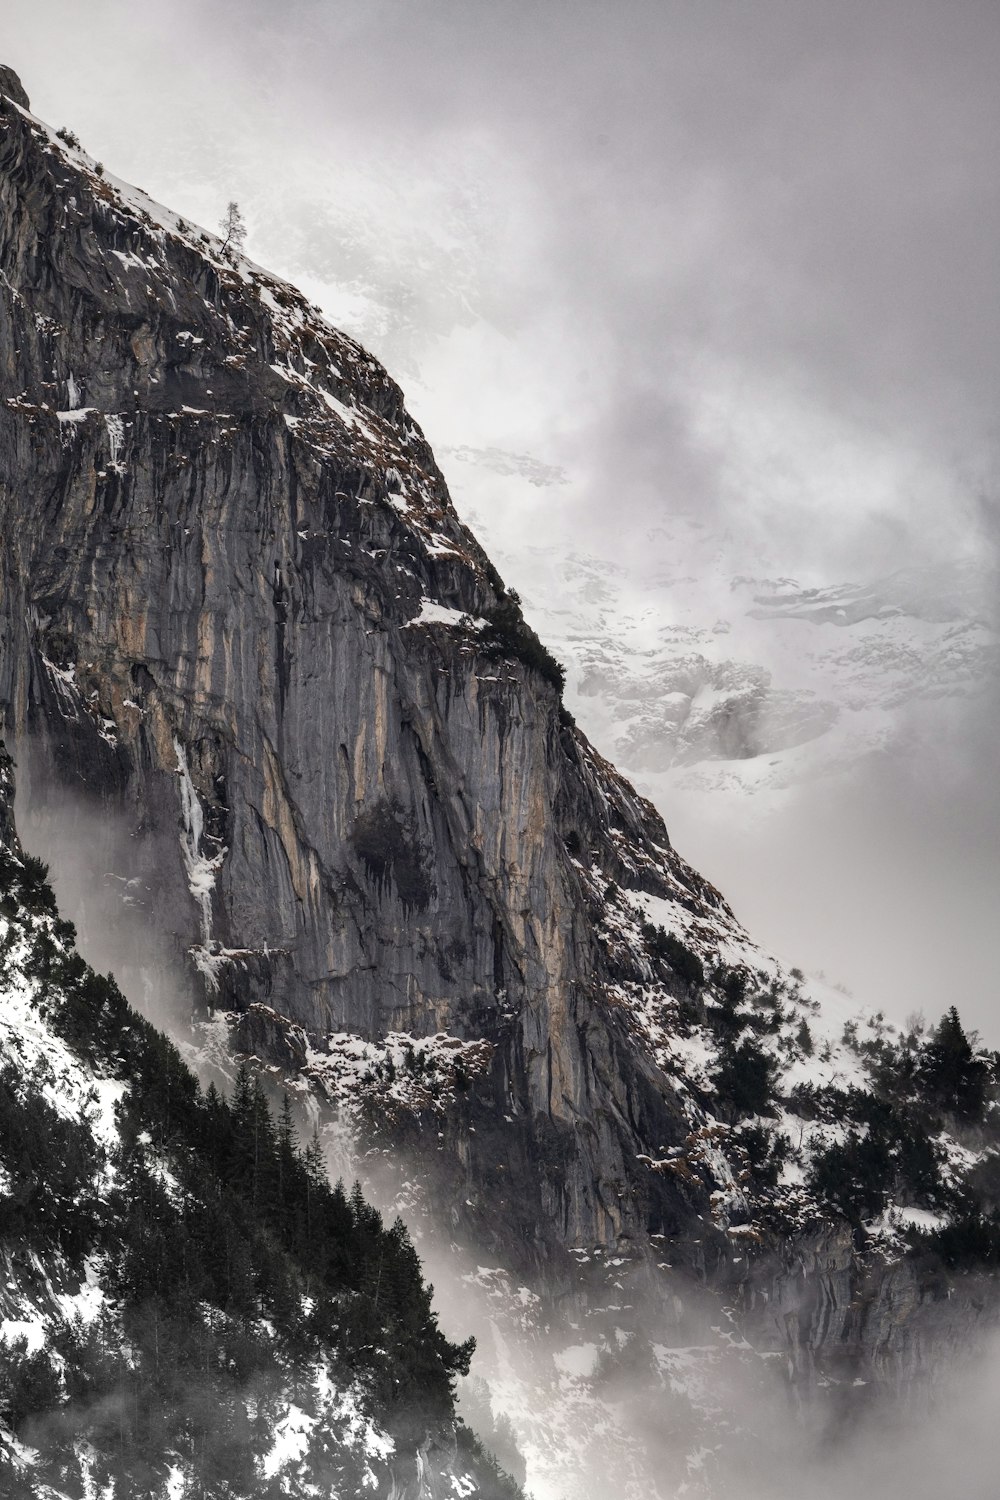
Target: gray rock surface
221,525
12,86
237,605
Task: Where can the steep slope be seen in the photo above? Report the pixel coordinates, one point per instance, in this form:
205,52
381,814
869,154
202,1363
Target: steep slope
239,609
187,1305
235,589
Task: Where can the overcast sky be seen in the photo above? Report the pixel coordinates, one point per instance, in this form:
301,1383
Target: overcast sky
737,259
752,245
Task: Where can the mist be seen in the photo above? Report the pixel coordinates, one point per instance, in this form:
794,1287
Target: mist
886,880
731,262
642,1388
638,1386
735,262
109,876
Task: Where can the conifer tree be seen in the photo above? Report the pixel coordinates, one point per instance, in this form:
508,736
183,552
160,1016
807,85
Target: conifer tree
952,1074
287,1155
234,230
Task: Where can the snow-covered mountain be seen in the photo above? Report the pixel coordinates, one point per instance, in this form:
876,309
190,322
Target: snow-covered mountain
187,1307
242,621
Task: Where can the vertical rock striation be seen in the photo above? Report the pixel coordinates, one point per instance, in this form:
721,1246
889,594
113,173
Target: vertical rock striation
236,604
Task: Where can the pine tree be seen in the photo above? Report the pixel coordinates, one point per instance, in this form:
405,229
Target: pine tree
314,1161
951,1073
314,1167
264,1172
745,1078
234,230
287,1155
241,1111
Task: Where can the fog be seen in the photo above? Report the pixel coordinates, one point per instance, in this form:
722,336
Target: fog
109,880
885,879
734,261
635,1388
731,261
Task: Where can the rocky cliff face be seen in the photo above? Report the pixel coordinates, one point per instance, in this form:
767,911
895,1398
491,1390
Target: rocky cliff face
238,607
114,1203
237,600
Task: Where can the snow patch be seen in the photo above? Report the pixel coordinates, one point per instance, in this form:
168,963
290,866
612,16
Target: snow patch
578,1361
202,871
444,614
116,440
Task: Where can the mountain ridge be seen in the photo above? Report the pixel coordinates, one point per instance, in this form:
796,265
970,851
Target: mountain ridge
240,611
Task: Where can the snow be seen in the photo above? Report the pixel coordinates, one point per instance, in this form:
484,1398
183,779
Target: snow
401,1073
201,870
346,415
924,1219
442,614
66,686
85,1304
578,1360
102,1097
291,1440
175,1483
116,440
35,1049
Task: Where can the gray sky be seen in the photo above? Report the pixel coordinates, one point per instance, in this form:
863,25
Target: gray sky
745,253
738,259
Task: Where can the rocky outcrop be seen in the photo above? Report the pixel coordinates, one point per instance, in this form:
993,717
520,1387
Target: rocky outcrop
349,1432
238,603
857,1321
237,606
12,86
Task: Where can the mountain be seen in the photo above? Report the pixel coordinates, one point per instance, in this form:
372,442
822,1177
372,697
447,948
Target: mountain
241,620
824,753
189,1308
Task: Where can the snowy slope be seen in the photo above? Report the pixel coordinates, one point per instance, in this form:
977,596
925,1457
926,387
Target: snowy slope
89,1209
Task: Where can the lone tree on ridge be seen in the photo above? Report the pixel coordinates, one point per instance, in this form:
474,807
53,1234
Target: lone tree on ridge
234,231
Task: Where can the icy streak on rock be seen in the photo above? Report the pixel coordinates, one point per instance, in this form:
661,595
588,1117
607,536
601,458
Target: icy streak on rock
201,871
116,440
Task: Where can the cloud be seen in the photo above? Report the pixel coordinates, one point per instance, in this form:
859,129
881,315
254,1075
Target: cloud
109,877
732,260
